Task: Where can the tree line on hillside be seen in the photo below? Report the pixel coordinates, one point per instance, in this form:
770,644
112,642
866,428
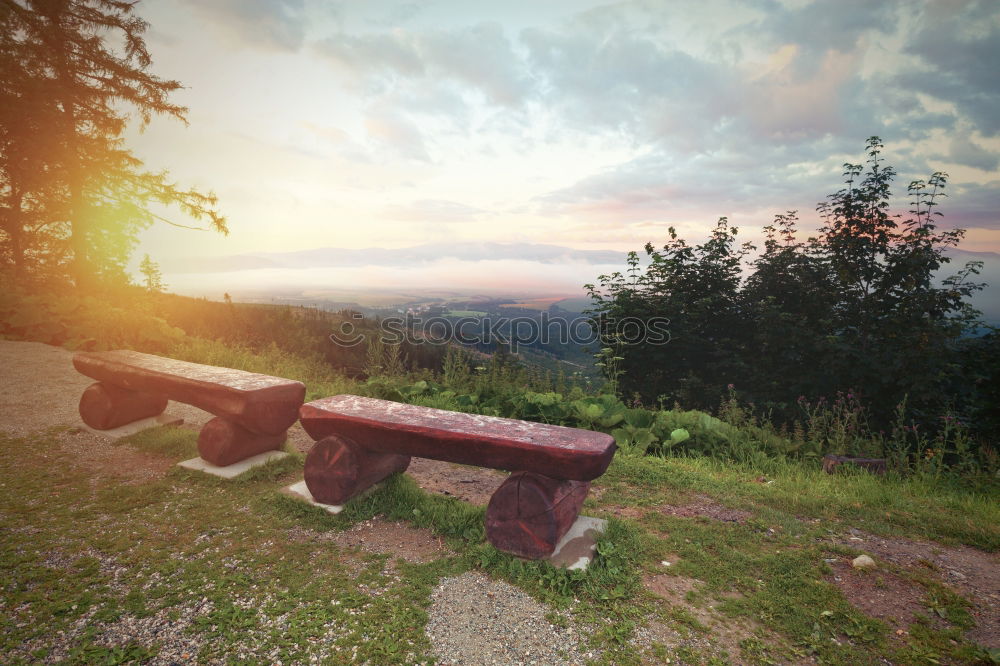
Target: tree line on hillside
305,331
73,196
855,310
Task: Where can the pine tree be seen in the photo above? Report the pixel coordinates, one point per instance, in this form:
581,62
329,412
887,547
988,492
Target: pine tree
65,49
29,201
151,274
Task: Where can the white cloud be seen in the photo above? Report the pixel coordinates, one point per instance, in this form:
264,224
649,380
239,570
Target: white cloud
435,210
477,56
958,50
573,122
258,24
392,128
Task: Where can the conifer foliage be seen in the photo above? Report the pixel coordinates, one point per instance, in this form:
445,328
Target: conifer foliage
152,278
73,73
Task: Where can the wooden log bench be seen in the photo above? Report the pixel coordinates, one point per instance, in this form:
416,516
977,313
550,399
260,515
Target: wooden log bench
360,441
252,412
874,465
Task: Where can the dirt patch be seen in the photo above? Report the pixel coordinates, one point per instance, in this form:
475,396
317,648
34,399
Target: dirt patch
724,633
703,506
722,644
879,594
101,460
629,512
298,439
474,485
672,588
973,573
700,506
477,620
382,536
39,388
167,631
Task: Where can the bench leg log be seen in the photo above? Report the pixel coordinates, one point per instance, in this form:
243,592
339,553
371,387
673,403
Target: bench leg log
106,406
338,468
529,513
223,442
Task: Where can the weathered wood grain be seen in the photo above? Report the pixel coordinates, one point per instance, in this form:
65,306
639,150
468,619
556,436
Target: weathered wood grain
529,513
471,439
337,469
260,403
106,406
223,442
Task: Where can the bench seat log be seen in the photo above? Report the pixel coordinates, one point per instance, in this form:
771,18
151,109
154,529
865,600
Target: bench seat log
361,441
469,439
253,411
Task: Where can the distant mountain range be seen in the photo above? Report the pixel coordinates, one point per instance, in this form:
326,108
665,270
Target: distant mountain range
336,257
421,256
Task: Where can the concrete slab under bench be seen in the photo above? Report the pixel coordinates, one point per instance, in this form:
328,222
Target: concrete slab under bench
136,426
300,491
234,470
577,548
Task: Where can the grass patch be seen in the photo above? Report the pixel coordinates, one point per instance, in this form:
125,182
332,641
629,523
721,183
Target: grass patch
166,441
197,546
222,559
243,573
890,505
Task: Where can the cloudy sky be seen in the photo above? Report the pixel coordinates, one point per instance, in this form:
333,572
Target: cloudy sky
592,125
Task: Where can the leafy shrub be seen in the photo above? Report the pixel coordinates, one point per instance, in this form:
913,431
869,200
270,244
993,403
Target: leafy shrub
856,306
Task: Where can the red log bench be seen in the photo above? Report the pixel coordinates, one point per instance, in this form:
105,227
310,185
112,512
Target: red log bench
253,412
360,441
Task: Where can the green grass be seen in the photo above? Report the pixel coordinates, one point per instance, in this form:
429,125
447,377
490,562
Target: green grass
191,540
771,568
186,539
165,441
915,506
231,557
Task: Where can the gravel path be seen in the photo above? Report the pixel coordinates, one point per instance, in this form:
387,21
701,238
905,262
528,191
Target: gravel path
477,620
